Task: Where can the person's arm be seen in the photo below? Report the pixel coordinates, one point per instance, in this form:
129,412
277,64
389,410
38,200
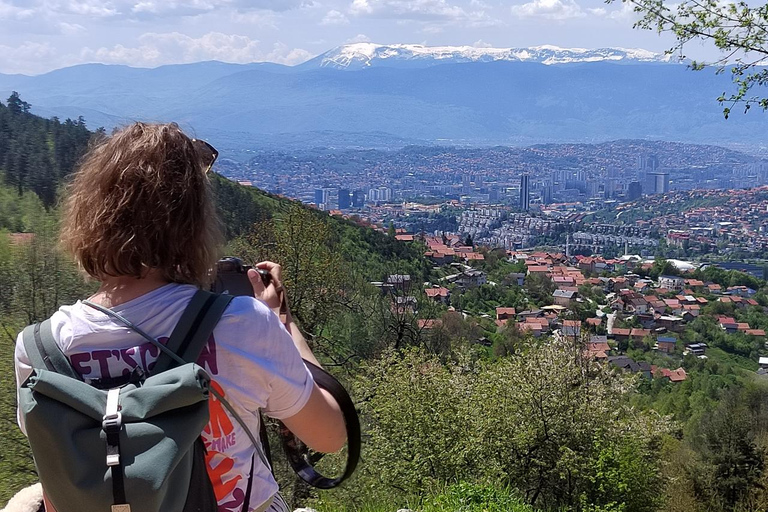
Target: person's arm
320,423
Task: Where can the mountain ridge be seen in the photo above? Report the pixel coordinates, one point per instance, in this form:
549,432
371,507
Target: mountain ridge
355,56
247,106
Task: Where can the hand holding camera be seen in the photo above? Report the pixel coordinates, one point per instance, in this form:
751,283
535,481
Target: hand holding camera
263,282
267,283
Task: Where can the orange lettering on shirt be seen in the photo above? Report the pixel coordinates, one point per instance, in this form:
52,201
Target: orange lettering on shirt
221,488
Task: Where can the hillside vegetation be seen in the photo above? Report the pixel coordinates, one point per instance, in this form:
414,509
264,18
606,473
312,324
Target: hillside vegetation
459,413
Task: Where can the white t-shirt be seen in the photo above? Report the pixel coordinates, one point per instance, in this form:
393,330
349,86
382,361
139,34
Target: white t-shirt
250,356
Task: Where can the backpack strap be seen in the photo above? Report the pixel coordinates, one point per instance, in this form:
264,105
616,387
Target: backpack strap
194,328
43,351
207,321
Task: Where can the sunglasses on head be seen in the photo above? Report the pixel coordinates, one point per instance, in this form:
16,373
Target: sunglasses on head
206,152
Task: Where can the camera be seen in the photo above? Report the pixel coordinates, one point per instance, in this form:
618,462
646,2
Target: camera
232,277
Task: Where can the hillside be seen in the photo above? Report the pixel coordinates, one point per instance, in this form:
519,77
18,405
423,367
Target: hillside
485,380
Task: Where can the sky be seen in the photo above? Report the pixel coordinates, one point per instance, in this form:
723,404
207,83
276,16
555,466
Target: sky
37,36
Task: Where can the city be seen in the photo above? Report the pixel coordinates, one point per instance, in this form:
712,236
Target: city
576,198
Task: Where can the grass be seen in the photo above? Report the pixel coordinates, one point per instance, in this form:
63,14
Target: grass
462,497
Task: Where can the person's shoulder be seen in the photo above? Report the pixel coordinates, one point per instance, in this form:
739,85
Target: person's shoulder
247,308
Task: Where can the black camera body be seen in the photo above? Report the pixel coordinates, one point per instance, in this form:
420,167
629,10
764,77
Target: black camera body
232,277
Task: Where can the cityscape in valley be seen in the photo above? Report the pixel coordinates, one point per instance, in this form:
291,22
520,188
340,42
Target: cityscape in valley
619,198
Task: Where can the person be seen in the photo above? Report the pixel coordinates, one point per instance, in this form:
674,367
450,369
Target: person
139,217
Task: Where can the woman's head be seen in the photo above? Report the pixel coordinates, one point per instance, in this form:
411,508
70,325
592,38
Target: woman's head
141,201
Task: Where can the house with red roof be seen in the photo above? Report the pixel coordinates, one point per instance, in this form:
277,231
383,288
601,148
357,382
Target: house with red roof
429,323
597,348
678,375
505,313
440,294
21,238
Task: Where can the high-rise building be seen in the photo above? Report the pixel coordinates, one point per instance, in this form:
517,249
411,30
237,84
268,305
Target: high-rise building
634,191
380,194
323,198
656,182
525,193
648,162
344,199
358,199
546,192
662,182
466,183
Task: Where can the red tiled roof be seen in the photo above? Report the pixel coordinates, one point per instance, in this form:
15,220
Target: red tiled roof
437,292
678,375
429,323
21,238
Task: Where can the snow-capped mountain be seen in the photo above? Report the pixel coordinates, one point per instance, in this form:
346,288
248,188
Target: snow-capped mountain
362,55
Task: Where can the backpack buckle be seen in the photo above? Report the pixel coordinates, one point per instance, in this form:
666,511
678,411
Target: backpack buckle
112,422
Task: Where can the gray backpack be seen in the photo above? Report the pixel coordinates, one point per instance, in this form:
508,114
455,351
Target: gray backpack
136,446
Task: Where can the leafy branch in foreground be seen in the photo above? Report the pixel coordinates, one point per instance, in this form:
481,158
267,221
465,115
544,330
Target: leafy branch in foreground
737,30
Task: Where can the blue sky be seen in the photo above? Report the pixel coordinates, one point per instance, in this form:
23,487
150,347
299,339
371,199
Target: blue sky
40,35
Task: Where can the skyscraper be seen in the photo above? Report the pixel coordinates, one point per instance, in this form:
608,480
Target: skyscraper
358,199
635,190
662,182
525,194
343,199
546,192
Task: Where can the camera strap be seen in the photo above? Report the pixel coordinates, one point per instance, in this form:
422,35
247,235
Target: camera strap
299,458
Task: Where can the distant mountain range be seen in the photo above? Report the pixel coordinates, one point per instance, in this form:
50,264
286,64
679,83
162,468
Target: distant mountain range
367,95
360,55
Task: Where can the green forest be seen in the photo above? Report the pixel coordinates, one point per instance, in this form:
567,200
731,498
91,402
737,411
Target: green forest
458,413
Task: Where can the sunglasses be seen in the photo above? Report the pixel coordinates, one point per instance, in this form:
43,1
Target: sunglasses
206,152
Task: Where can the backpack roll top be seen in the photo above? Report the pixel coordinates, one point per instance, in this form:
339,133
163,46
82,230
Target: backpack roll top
157,427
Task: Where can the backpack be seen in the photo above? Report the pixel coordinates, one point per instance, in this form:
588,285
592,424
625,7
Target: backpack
136,446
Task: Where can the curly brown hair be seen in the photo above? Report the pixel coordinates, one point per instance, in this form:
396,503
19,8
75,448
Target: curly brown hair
140,200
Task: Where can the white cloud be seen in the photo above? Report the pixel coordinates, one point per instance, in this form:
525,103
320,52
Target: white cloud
27,58
360,7
69,29
282,54
434,16
156,49
549,9
482,44
411,9
13,12
90,8
626,13
335,18
359,38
